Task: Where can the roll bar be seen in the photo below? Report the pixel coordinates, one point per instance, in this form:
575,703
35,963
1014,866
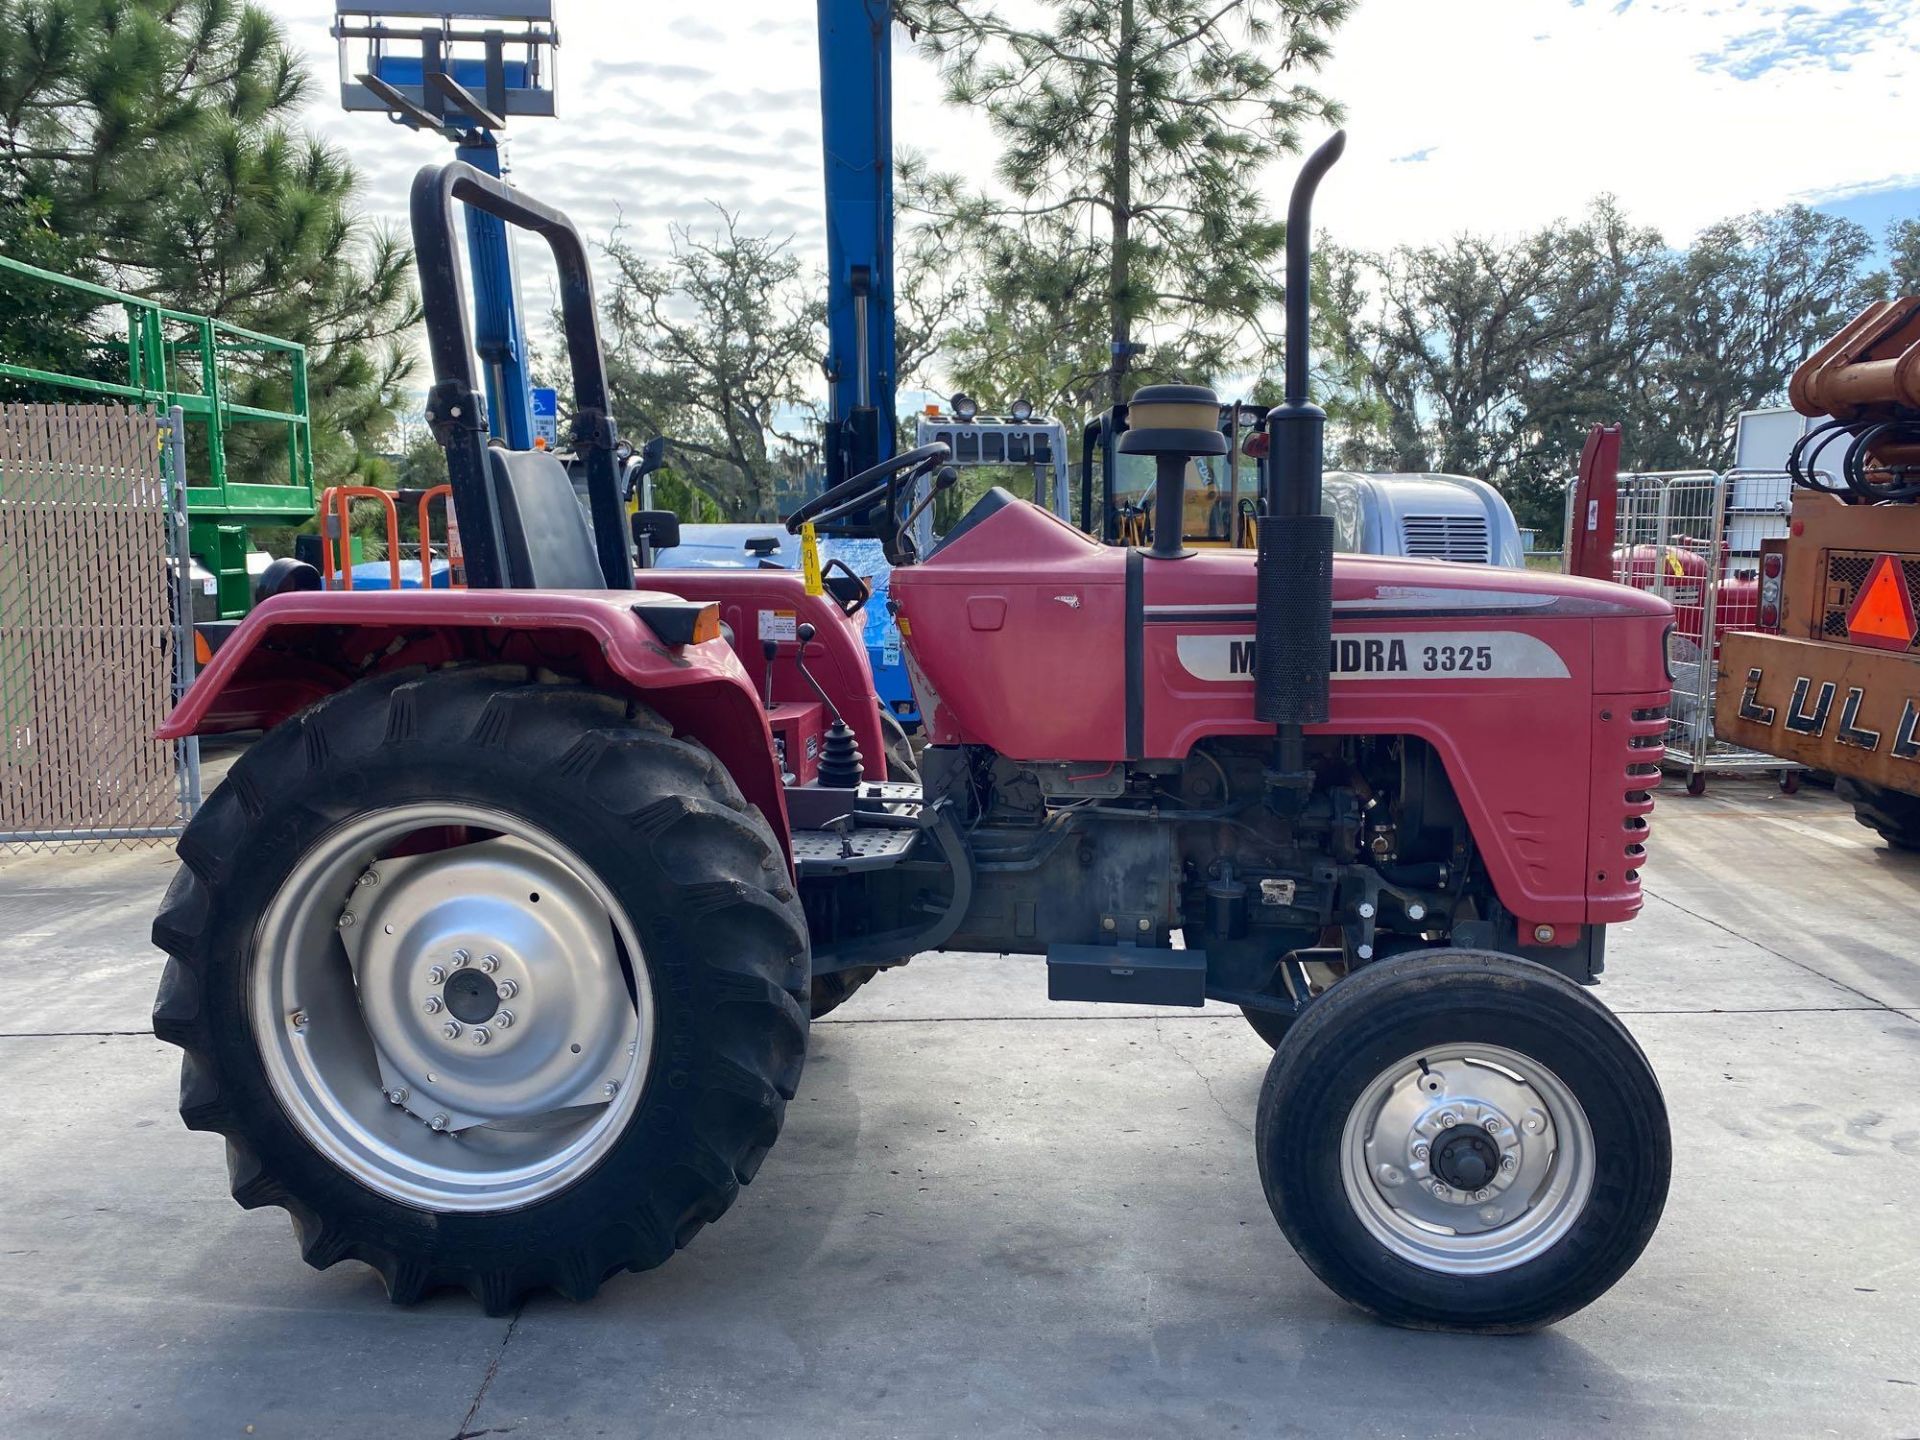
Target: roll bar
453,404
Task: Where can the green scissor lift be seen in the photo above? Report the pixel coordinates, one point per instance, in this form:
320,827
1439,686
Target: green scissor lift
175,358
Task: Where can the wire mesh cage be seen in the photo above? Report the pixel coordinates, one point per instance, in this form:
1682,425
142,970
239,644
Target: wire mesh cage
1693,538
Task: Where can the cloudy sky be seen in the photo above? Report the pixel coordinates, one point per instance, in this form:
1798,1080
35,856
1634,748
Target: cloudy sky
1484,114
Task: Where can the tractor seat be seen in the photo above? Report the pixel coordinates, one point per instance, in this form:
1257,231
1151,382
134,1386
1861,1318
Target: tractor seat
549,545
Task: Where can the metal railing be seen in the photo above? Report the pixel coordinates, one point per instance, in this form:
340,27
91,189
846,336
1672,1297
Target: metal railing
337,539
1693,538
173,359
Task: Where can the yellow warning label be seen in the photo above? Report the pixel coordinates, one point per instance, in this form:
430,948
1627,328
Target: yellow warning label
810,561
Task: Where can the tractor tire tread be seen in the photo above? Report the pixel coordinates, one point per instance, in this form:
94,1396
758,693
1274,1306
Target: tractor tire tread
743,970
1330,1053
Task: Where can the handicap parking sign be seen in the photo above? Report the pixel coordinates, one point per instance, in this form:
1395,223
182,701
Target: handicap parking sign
546,416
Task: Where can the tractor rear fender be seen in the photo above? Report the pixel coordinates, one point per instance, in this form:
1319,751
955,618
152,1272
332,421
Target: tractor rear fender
296,649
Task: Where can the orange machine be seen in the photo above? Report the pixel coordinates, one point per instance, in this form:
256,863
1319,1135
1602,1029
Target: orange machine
1833,680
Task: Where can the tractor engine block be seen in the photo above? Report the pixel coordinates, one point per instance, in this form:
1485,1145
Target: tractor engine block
1379,859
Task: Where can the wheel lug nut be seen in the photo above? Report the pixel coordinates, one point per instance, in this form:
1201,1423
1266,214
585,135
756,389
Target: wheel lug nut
1439,1189
397,1097
504,1020
439,1122
509,989
1420,1151
460,957
489,963
451,1029
1508,1164
431,1005
1492,1125
1449,1119
435,974
1482,1194
482,1035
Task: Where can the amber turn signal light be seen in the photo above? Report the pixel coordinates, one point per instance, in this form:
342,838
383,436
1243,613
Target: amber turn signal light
681,622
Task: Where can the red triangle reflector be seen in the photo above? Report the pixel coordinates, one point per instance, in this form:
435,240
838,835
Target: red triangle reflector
1882,613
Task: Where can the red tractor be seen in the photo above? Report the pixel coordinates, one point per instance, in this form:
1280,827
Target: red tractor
493,958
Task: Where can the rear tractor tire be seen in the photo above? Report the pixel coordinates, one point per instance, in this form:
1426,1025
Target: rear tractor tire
489,983
1459,1140
1893,814
903,763
1303,976
1270,1025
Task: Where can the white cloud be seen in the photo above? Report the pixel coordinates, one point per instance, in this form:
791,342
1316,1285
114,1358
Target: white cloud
1529,108
698,31
1469,114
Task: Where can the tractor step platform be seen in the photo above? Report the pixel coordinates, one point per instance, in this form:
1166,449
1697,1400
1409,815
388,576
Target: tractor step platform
814,807
1127,974
832,852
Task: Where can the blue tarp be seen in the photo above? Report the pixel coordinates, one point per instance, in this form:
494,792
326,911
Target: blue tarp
376,575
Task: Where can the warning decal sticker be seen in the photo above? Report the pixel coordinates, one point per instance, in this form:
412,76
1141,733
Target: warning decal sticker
1390,655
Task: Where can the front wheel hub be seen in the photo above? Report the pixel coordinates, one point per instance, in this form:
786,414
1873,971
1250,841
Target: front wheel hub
1463,1157
1467,1159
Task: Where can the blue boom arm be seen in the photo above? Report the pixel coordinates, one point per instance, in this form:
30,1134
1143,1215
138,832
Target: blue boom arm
856,115
497,326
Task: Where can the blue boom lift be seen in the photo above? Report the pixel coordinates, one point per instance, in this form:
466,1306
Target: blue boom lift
856,122
463,70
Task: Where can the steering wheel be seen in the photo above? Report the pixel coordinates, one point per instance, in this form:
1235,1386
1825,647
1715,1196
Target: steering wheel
860,491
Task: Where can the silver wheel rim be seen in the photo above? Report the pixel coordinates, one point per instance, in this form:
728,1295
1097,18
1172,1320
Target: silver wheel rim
464,1029
1501,1114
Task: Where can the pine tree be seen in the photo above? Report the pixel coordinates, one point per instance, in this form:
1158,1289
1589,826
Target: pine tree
150,145
1134,135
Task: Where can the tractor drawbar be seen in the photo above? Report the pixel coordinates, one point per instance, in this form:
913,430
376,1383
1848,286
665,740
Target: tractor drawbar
1293,617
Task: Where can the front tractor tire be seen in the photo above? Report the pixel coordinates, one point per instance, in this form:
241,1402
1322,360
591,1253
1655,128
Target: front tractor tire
490,983
1459,1140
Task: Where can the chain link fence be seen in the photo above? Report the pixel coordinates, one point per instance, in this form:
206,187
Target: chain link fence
95,631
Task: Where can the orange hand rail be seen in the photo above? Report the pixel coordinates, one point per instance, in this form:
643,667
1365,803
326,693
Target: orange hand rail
343,497
454,562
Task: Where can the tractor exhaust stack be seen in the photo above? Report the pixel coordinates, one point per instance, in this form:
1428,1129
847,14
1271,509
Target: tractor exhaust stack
1293,620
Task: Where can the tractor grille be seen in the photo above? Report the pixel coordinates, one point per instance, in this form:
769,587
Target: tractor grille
1846,573
1646,744
1447,537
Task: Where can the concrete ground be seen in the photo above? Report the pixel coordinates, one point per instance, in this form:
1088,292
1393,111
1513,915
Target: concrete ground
992,1216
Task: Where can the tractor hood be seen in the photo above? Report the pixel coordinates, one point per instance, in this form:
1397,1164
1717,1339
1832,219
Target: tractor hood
1003,536
1024,634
